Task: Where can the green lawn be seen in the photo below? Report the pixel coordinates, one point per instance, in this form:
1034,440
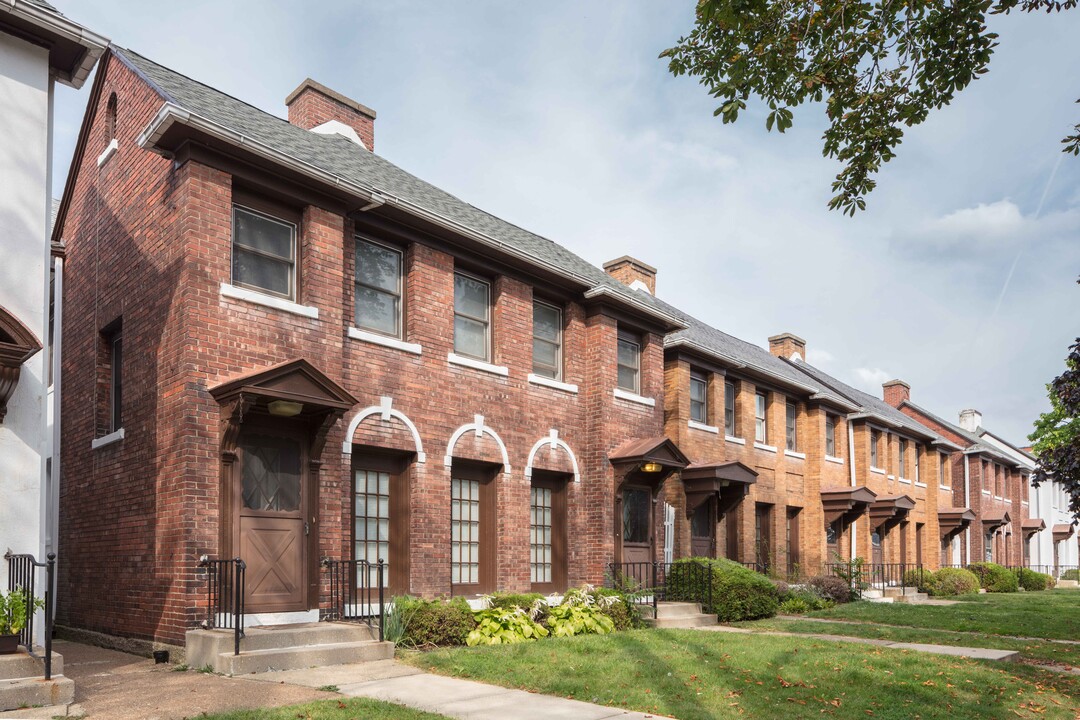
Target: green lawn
695,675
1036,650
1048,614
344,709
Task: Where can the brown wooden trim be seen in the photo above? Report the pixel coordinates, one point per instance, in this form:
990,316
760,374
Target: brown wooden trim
399,465
557,483
485,474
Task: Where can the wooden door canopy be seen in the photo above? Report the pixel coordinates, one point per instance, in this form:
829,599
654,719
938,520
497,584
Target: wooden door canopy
1031,526
992,521
647,461
17,345
888,510
728,482
1063,531
953,520
322,401
846,503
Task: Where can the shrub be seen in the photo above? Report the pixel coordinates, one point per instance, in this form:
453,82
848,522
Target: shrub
1073,574
919,578
618,606
509,601
795,605
830,587
737,592
782,588
433,622
994,577
504,626
1031,580
578,619
952,581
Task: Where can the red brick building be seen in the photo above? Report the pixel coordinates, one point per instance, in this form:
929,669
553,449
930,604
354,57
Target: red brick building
281,346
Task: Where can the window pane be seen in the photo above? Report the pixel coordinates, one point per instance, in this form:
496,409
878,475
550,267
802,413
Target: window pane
376,310
470,296
629,353
377,266
263,234
470,337
545,353
698,410
636,515
547,322
262,272
271,473
628,378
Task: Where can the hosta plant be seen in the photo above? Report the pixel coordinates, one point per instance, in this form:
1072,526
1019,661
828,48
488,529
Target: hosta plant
578,619
500,626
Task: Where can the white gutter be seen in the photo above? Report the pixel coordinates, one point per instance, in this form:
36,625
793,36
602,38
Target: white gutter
171,113
851,471
59,25
967,503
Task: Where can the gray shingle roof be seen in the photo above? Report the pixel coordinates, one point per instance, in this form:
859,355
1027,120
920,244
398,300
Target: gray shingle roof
977,445
339,156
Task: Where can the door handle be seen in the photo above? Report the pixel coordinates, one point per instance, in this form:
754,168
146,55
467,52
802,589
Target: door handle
307,528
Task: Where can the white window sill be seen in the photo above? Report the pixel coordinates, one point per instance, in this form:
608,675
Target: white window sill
920,484
258,298
1023,502
695,425
833,459
794,454
108,152
115,436
736,440
879,471
998,497
986,493
905,481
385,341
554,384
763,446
891,477
455,359
945,487
634,397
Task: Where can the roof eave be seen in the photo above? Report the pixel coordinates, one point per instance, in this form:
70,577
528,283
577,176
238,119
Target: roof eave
605,291
92,43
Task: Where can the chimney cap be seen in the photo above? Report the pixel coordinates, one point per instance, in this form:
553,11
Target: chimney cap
308,83
892,383
787,336
626,259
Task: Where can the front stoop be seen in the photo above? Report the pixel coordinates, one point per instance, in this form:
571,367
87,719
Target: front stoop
285,647
680,615
905,595
23,683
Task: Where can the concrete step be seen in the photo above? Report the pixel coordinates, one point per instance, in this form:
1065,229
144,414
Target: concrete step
871,594
21,665
917,597
677,609
204,644
35,692
683,621
297,658
879,599
897,592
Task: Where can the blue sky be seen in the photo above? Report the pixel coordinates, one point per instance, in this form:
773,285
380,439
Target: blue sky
960,278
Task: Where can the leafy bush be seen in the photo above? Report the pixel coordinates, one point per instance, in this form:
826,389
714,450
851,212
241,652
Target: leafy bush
782,588
795,605
805,595
16,608
737,592
504,626
578,619
433,622
994,577
1031,580
509,601
1073,574
919,578
947,582
831,587
618,606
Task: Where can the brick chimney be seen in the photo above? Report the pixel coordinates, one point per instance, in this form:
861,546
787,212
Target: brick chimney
315,107
631,271
970,419
896,392
788,345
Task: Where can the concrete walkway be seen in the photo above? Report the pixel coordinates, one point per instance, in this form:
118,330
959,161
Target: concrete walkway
954,650
395,682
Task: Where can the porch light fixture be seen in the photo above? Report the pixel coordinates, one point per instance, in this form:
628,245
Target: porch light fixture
651,467
285,408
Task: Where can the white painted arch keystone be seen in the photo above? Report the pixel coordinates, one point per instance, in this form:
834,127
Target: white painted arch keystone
553,440
385,410
477,426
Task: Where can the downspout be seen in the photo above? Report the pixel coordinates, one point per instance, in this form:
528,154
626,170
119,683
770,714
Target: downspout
967,501
851,471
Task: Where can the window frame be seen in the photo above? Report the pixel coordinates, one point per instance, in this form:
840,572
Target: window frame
558,343
830,434
294,262
400,295
630,338
761,422
702,380
875,449
942,471
901,454
115,340
730,408
791,425
487,321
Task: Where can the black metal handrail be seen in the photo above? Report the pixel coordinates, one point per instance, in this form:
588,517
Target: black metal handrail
357,592
22,577
225,589
642,581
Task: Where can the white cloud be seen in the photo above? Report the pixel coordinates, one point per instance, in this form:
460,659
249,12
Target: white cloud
870,379
817,357
980,223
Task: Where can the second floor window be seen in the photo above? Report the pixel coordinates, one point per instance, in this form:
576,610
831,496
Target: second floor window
699,407
116,381
792,435
875,437
942,479
761,401
729,409
547,340
472,317
629,362
830,435
902,468
263,253
378,288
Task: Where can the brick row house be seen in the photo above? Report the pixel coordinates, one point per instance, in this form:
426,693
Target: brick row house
281,346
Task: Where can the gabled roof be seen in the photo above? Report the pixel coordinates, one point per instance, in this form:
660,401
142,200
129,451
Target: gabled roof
335,161
977,445
1020,455
73,50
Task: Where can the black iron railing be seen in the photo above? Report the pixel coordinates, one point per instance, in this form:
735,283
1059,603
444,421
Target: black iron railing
22,577
225,596
357,592
1054,571
648,583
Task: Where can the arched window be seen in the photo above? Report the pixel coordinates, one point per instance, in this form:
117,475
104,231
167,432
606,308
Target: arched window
110,119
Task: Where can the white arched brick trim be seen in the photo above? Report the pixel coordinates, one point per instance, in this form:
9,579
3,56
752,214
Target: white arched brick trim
554,441
478,427
386,411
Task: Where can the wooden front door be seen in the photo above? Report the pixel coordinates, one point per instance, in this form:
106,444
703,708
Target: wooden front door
637,525
271,494
381,517
875,548
547,533
703,529
832,543
472,529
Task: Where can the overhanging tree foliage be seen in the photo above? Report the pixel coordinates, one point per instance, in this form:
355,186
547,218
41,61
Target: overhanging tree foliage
1057,433
878,67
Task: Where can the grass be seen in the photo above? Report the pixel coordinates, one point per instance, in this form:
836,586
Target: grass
349,709
1051,614
1035,650
695,675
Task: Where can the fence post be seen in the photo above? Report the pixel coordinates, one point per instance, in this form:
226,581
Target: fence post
50,574
238,603
655,589
382,610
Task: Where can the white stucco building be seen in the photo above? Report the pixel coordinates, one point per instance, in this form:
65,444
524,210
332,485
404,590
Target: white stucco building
38,48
